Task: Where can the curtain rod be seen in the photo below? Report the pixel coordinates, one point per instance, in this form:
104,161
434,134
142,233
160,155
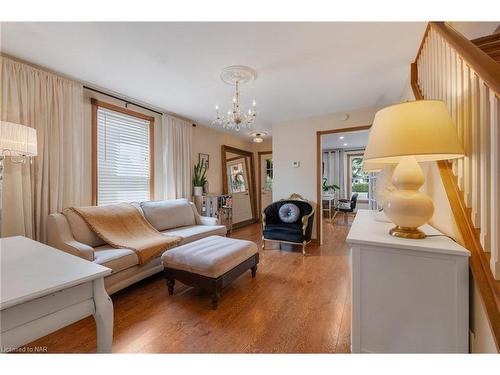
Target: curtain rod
123,100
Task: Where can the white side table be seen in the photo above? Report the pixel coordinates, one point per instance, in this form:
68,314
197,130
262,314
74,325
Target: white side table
330,205
44,289
408,296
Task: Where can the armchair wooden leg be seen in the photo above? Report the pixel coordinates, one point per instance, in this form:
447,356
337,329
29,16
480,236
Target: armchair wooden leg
263,243
304,248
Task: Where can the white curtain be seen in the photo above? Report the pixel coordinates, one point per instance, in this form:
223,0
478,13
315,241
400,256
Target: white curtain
54,107
334,165
176,143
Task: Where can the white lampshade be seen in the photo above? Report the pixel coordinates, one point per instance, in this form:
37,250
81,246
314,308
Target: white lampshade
17,140
423,129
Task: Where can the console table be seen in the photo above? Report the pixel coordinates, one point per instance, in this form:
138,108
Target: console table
43,289
408,296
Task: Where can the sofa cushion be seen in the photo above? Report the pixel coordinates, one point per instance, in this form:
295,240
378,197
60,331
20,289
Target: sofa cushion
211,256
116,259
168,214
80,229
195,232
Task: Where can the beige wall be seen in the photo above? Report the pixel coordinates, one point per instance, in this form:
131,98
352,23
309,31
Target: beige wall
209,141
481,338
295,140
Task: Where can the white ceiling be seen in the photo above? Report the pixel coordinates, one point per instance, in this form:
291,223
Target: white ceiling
350,140
473,30
304,69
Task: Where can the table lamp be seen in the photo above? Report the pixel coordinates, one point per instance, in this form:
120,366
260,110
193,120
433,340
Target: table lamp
406,134
15,141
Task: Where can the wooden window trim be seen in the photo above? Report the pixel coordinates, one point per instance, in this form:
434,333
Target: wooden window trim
95,106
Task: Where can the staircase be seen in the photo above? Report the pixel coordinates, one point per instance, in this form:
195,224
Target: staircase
466,76
490,45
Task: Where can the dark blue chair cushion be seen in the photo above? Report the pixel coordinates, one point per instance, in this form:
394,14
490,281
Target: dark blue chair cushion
284,232
289,213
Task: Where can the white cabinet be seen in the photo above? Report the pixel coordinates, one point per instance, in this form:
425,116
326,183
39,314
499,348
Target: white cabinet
408,296
43,289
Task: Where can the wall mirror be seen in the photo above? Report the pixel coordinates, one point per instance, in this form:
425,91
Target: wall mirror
238,180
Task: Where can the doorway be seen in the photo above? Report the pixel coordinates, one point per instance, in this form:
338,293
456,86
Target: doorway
265,179
340,173
237,177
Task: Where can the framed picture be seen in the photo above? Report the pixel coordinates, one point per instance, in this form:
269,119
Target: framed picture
205,158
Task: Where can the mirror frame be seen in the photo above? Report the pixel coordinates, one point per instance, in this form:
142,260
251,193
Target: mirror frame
251,187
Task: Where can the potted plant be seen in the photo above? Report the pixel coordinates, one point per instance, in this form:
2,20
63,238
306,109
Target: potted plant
326,188
199,177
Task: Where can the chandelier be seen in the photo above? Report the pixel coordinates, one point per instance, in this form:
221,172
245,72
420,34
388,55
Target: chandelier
236,119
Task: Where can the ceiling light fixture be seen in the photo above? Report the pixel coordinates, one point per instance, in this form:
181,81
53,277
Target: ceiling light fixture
345,144
258,136
235,119
341,137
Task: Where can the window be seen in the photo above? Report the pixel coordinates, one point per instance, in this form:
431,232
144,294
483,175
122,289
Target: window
268,183
358,179
123,154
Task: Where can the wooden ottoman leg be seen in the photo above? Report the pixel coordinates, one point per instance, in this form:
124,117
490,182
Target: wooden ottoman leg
215,300
254,271
170,281
170,285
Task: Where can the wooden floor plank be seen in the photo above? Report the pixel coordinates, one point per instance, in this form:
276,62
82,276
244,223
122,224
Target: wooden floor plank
295,304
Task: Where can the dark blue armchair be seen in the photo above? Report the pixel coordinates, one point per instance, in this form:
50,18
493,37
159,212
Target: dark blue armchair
299,232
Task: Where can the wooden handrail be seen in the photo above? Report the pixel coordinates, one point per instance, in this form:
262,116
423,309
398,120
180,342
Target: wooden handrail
487,68
422,43
489,288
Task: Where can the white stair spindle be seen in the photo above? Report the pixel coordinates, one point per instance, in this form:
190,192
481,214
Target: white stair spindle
485,164
495,185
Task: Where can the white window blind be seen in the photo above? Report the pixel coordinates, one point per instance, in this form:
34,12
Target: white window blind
123,157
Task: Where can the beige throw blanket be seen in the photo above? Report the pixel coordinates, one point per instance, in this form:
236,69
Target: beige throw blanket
122,226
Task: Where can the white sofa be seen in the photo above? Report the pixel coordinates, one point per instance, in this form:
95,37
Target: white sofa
67,231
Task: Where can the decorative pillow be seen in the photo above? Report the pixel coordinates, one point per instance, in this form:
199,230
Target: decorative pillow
81,230
345,205
169,214
289,213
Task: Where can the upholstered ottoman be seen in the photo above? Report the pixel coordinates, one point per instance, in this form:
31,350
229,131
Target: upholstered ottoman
210,263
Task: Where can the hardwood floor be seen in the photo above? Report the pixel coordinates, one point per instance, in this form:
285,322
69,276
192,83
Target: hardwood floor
295,304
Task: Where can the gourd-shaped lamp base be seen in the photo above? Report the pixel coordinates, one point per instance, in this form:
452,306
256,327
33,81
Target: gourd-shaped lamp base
407,207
